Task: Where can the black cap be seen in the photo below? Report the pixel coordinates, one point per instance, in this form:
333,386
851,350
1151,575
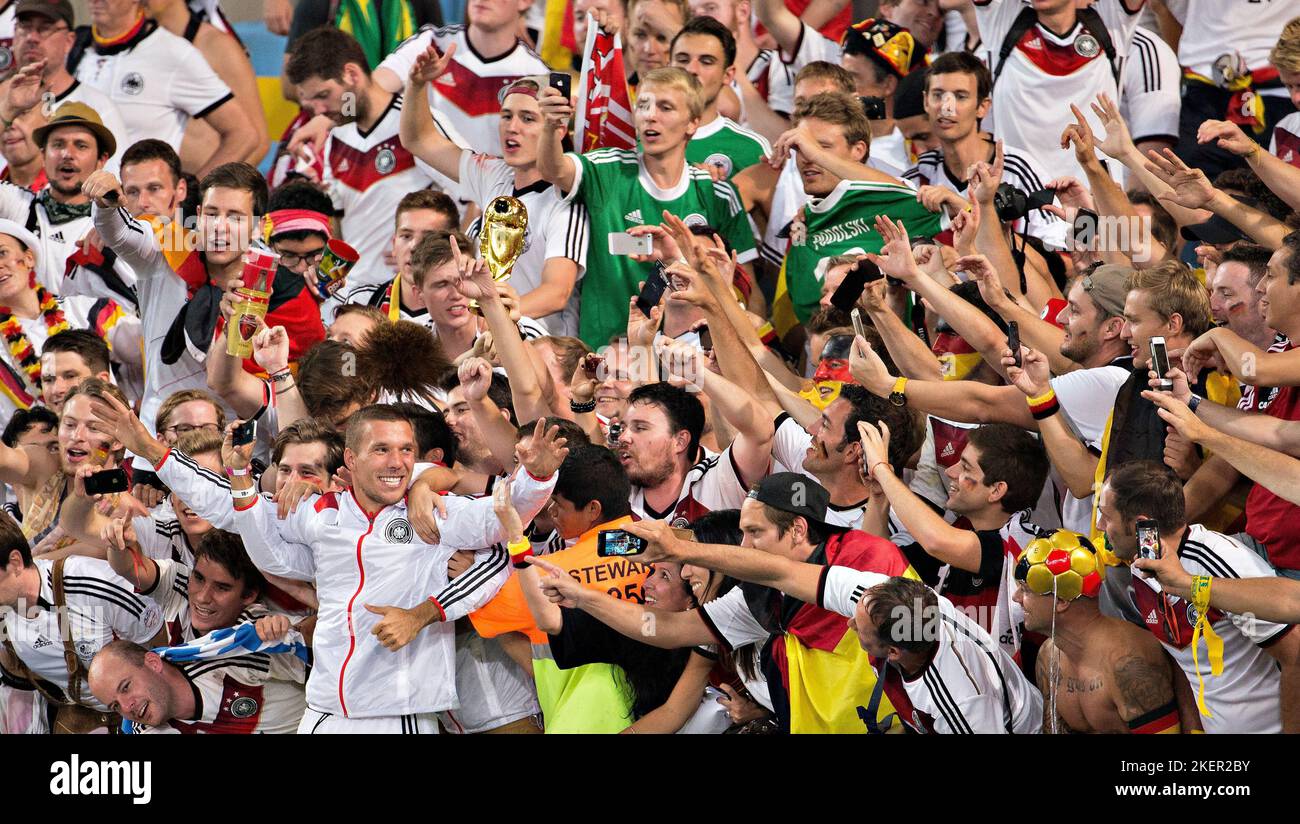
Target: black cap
1218,231
793,493
909,99
51,9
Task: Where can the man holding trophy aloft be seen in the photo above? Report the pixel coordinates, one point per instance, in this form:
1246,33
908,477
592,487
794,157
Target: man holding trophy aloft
554,248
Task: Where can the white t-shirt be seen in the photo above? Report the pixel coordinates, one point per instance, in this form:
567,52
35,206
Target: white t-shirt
102,607
889,153
492,689
1043,75
1245,697
469,92
712,484
787,199
1087,397
1214,27
158,81
556,229
970,685
773,78
1152,94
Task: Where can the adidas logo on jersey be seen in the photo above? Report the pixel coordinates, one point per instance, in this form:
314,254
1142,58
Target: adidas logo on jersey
1033,43
948,451
1152,618
42,641
634,216
57,237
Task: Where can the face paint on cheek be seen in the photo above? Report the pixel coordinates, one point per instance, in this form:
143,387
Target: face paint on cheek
833,369
1237,308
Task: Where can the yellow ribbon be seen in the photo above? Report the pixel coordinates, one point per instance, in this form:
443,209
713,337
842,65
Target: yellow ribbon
1213,643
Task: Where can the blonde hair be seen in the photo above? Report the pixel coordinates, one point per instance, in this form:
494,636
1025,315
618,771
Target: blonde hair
837,109
683,81
1172,288
1286,53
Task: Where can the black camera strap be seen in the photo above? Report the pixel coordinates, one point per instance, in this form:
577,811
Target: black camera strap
1089,18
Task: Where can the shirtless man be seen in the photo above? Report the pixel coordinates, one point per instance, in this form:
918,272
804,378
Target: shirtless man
1108,675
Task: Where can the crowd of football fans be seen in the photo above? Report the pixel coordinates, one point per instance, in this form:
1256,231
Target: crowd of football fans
925,373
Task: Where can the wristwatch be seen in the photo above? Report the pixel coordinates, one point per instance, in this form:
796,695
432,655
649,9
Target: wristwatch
896,396
1193,402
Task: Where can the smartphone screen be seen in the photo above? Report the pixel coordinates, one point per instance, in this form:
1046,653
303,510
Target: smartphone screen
1148,535
1160,362
1013,342
653,291
855,280
706,338
1084,231
619,543
591,363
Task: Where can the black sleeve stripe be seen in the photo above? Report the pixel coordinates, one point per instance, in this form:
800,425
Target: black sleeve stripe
474,579
131,223
1210,558
944,701
108,587
217,105
1275,637
202,471
96,595
243,662
1021,168
1149,58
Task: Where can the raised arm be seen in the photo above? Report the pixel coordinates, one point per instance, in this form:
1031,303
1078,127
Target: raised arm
275,547
785,27
1071,457
1281,177
132,240
552,163
1268,599
419,134
1191,189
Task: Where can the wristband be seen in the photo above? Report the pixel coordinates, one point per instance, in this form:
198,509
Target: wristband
871,473
519,551
1193,402
896,396
1044,406
243,494
580,407
280,375
1213,643
239,473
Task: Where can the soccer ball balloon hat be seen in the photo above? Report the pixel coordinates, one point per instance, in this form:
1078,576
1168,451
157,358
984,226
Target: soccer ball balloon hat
1064,563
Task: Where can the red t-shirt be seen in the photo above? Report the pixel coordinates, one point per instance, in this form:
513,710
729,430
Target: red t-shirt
1269,519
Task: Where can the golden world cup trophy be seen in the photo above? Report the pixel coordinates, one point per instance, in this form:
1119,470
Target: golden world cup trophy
505,222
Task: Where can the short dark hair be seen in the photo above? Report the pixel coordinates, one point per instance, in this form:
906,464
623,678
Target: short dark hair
1163,227
592,473
1151,489
308,431
142,151
433,250
431,431
1015,457
429,199
499,393
711,27
226,550
825,70
299,194
905,436
962,62
23,420
375,413
1251,255
323,52
684,410
91,348
12,538
892,607
574,435
240,176
325,385
1292,244
721,526
96,388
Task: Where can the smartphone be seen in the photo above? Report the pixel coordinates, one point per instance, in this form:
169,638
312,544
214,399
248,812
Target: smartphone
106,482
615,432
855,280
706,338
591,363
858,328
621,243
653,291
873,107
1084,231
1160,363
618,543
245,433
1148,533
142,477
562,82
1013,342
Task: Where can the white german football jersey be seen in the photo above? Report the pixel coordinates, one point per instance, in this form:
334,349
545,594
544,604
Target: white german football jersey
469,92
1245,697
367,174
790,446
712,484
969,686
1019,169
1152,88
158,81
889,153
773,77
171,592
102,607
1045,73
1286,139
492,689
1212,28
811,47
162,538
556,229
248,694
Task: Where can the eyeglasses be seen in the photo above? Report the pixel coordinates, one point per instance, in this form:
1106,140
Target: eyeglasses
41,31
184,429
290,260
